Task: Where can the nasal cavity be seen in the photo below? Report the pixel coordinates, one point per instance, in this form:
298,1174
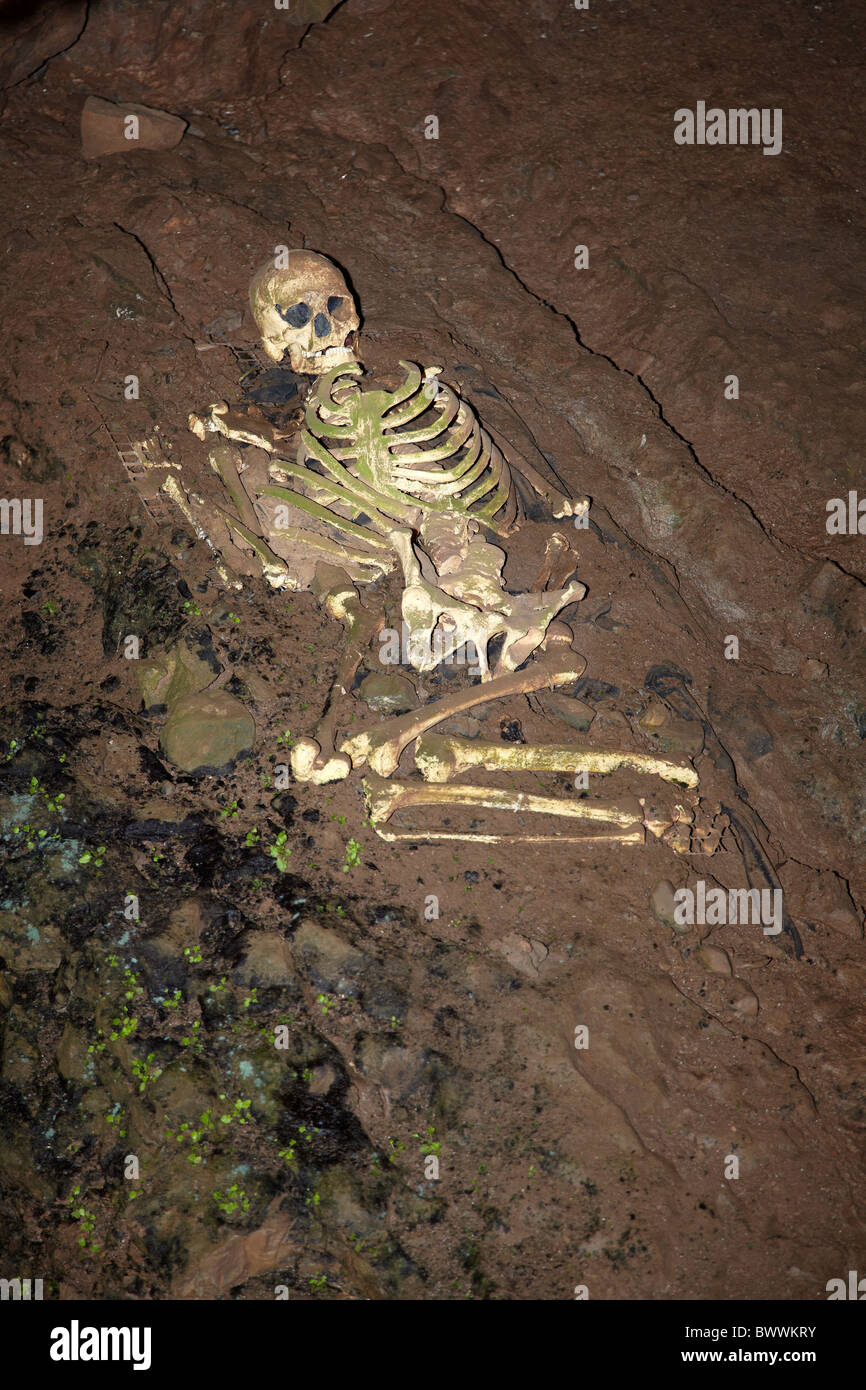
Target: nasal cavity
322,325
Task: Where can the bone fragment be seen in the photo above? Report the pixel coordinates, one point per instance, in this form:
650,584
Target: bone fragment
172,488
443,756
559,564
385,797
382,745
316,760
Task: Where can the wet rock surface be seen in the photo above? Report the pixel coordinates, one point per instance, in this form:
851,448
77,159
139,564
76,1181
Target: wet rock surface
283,1018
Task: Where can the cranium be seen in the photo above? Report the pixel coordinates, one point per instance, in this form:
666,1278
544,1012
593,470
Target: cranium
306,311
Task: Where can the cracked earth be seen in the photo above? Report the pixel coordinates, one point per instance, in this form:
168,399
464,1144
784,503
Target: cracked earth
602,1166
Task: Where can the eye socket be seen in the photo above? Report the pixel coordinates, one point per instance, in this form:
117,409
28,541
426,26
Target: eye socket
297,316
339,307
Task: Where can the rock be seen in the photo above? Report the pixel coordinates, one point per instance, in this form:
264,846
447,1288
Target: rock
813,670
29,39
107,128
169,676
671,734
747,1004
72,1054
462,726
820,897
662,901
388,694
331,963
576,713
267,960
715,959
207,732
190,52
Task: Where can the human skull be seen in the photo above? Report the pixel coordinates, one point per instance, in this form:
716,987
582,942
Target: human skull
306,311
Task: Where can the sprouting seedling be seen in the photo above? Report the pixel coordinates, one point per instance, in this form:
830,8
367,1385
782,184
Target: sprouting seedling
280,852
252,837
353,855
230,811
93,856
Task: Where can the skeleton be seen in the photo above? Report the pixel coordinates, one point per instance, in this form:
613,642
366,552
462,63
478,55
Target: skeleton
377,479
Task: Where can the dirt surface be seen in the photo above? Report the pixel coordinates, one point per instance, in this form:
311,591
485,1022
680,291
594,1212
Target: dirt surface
157,927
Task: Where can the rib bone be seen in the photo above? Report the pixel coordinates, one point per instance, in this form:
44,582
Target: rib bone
443,756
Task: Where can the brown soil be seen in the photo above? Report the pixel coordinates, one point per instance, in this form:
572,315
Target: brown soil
410,1035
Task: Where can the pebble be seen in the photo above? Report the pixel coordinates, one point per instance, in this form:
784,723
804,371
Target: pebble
662,901
207,732
388,694
104,126
715,959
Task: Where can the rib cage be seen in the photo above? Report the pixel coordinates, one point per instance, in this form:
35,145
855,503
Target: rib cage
370,449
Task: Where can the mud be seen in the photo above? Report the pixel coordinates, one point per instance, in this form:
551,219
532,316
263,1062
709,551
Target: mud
160,931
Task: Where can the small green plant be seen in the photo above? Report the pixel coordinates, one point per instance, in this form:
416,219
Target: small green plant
33,837
194,1136
229,812
193,954
252,998
326,1002
238,1112
286,739
233,618
79,1213
233,1199
192,1038
93,856
145,1071
50,607
252,837
288,1155
396,1146
115,1117
279,852
192,609
353,855
318,1282
430,1145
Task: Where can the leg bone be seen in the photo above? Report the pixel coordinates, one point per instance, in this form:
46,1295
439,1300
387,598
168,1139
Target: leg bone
443,756
384,798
